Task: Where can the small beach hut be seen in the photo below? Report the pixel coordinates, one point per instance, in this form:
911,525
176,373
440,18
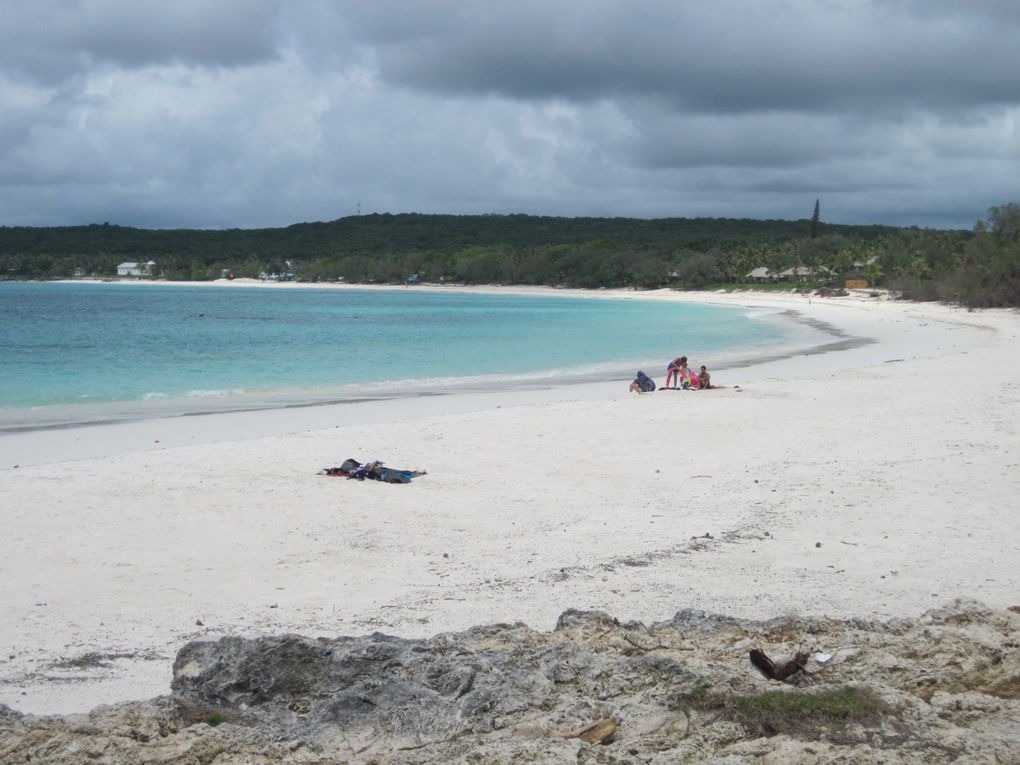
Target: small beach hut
801,273
130,268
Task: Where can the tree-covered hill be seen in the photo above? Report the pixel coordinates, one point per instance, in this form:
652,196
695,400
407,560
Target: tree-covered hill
382,234
980,267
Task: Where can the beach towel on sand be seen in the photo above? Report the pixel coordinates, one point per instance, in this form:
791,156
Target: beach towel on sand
373,471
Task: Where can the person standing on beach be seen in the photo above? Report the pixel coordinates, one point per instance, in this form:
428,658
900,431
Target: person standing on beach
684,375
673,371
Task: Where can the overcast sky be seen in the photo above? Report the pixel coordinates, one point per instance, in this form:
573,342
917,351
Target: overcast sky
252,113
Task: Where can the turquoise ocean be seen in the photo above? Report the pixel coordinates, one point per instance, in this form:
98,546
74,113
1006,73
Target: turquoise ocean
96,352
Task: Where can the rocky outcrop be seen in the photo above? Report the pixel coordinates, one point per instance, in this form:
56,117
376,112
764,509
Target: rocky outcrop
941,688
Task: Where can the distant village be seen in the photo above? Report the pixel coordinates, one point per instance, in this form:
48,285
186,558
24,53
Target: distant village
137,270
759,275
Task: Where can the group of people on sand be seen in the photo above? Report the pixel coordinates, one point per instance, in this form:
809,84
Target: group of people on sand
677,373
683,377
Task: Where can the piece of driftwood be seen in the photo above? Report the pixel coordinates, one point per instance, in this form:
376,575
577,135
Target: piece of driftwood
767,667
597,733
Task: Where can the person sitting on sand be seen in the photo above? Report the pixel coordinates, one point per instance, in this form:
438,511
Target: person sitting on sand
705,381
642,383
704,378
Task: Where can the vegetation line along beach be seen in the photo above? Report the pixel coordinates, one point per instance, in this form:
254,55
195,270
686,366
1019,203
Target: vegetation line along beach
972,267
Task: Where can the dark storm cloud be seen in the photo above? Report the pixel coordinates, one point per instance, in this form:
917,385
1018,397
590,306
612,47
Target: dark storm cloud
724,56
68,38
266,112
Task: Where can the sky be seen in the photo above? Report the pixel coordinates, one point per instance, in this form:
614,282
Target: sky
263,113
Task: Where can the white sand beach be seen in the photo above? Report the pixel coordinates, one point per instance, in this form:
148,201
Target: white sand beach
873,482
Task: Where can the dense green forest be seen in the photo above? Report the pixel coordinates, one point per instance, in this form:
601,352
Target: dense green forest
974,268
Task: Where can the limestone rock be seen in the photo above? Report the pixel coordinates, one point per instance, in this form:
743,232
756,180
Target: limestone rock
945,689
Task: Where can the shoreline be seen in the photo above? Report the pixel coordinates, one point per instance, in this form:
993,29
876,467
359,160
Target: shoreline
19,421
864,483
799,336
123,427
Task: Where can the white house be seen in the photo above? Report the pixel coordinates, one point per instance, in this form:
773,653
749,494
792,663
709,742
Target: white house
760,274
135,269
803,272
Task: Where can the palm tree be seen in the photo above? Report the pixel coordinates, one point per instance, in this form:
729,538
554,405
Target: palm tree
874,272
919,267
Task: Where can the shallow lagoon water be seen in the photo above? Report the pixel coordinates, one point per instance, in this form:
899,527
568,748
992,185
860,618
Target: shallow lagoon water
93,352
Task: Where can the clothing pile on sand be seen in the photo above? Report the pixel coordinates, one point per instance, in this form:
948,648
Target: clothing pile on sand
373,471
